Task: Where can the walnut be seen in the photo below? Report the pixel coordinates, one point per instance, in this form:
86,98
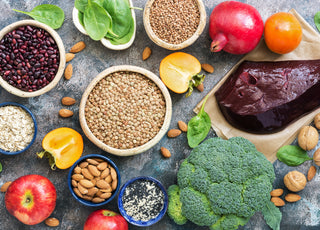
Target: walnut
295,181
308,137
316,157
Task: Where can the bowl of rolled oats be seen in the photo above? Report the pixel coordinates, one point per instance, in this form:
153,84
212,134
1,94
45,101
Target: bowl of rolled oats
174,25
18,128
125,110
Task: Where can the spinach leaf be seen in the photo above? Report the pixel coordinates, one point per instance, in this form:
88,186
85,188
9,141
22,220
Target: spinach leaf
123,40
292,155
80,17
272,215
317,20
82,4
97,21
198,127
0,167
48,14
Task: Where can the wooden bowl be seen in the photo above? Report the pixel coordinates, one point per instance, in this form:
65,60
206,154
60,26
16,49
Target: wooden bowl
141,148
54,82
166,45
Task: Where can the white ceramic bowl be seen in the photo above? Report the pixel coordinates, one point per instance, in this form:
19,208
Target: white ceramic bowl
139,149
62,63
105,41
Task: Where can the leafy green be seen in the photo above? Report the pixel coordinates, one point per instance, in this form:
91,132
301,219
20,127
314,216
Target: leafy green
292,155
0,167
82,4
80,17
123,40
317,20
272,215
48,14
198,127
195,81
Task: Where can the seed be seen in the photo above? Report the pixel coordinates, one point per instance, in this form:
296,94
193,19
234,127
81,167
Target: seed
291,197
146,53
69,56
277,201
79,46
165,152
52,222
276,192
173,133
68,101
68,72
207,67
5,186
182,126
65,113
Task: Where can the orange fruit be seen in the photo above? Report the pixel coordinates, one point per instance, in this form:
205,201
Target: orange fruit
282,32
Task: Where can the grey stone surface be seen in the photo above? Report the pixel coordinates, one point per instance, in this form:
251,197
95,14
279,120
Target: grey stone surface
304,214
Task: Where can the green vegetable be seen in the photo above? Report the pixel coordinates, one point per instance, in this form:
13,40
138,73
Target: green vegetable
0,167
317,20
48,14
97,21
292,155
272,215
123,40
82,4
222,184
198,127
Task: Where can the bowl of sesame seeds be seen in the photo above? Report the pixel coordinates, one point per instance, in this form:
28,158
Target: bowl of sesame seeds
172,24
125,110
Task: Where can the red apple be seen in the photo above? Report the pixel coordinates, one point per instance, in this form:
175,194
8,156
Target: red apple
105,220
31,199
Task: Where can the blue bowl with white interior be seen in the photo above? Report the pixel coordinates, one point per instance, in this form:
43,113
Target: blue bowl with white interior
6,152
129,218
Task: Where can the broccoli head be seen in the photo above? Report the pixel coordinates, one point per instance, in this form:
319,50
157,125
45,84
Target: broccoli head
221,184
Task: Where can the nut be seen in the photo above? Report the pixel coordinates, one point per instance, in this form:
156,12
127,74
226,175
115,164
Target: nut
78,47
165,152
108,179
74,183
97,200
105,173
182,126
308,137
77,170
68,72
291,197
65,113
77,177
103,184
86,173
82,189
295,181
92,161
52,222
86,183
173,133
146,53
69,56
276,192
317,121
5,186
207,67
102,166
68,101
316,157
311,173
94,171
83,164
277,201
105,195
200,87
77,192
114,184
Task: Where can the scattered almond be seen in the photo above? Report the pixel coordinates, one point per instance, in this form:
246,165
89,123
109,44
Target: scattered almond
291,197
68,72
276,192
200,87
277,201
52,222
311,173
182,126
69,56
65,113
5,186
165,152
146,53
173,133
78,47
68,101
207,67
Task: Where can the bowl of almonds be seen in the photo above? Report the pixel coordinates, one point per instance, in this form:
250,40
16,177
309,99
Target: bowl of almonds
94,180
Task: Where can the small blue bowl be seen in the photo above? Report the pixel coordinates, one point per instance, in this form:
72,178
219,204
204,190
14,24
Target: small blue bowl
86,202
151,221
35,128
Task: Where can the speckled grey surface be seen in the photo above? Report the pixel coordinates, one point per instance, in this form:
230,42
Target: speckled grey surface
304,214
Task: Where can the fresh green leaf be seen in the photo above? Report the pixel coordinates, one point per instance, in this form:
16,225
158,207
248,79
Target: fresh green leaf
0,167
317,20
198,127
123,40
80,17
97,21
195,81
292,155
48,14
272,215
82,4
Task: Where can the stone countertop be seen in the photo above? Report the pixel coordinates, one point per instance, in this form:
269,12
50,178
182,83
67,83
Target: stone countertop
94,59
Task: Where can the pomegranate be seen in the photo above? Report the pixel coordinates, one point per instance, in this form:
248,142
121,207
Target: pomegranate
235,27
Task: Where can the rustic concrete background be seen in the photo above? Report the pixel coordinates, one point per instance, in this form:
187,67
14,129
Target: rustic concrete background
95,58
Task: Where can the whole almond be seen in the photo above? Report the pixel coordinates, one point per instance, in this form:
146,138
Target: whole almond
102,184
146,53
102,166
77,192
200,87
86,183
83,164
113,173
291,197
5,186
207,67
68,72
108,179
97,200
65,113
165,152
93,170
69,56
77,177
105,173
82,189
311,173
52,222
98,160
106,190
88,198
74,183
85,172
79,46
173,133
114,185
182,126
276,192
277,201
77,169
68,101
92,161
92,191
105,195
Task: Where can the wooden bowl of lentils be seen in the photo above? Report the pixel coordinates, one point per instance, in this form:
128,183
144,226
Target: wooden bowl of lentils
172,24
32,58
125,110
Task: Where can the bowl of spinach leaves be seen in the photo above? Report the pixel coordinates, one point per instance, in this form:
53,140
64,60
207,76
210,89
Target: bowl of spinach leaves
112,22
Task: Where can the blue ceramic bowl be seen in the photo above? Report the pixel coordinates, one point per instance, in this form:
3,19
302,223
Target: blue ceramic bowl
83,201
143,223
35,128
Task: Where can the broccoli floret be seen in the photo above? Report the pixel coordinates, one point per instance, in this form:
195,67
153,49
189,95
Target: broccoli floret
174,206
229,222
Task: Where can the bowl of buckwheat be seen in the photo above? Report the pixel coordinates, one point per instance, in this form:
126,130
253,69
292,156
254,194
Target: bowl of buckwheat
125,110
174,25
